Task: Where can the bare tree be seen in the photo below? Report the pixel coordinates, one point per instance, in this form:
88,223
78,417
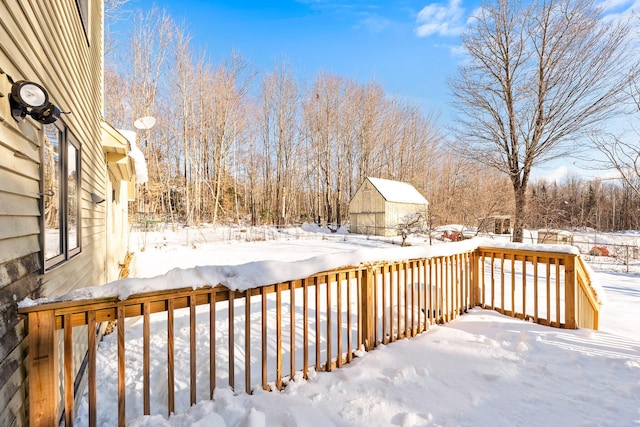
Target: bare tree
622,152
280,103
540,76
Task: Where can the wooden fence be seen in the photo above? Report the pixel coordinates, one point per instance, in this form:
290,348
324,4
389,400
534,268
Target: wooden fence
276,332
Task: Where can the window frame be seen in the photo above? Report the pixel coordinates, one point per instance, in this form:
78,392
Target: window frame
66,141
83,12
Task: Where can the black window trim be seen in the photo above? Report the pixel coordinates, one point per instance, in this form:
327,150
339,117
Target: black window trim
67,138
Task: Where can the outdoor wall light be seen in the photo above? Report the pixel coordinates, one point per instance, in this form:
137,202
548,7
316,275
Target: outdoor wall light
29,98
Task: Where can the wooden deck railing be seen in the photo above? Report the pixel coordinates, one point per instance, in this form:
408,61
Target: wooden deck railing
285,329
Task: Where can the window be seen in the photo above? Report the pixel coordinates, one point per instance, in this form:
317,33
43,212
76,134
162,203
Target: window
61,189
83,11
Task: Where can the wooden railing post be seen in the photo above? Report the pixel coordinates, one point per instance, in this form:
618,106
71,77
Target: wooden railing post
43,370
476,278
570,292
367,309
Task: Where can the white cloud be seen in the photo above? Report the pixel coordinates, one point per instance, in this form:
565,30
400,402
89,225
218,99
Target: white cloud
373,23
458,50
445,20
615,5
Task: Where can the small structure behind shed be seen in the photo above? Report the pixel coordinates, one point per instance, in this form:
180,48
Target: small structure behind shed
499,224
380,205
556,237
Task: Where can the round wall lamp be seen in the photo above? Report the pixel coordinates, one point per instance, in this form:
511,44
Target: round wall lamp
29,98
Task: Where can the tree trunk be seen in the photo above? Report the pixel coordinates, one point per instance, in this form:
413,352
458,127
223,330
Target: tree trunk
520,192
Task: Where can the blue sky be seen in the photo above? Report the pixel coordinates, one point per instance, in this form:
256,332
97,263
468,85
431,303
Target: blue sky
408,46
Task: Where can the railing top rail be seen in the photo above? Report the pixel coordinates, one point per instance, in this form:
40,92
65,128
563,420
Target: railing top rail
541,251
69,304
80,305
587,286
260,274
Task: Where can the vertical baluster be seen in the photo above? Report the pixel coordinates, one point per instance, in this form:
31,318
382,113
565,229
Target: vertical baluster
484,261
548,291
513,285
397,268
502,286
247,341
91,368
212,342
406,299
460,283
278,337
535,289
146,389
437,288
444,291
339,278
305,326
524,286
349,327
557,261
432,272
292,328
121,364
421,326
427,292
375,305
232,340
392,285
454,286
412,268
359,304
448,269
384,306
317,286
192,350
329,326
263,294
69,415
170,357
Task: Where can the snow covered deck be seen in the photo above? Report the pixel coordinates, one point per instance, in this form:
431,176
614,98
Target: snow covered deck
255,327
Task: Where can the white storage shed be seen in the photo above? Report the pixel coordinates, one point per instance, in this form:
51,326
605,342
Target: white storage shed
380,205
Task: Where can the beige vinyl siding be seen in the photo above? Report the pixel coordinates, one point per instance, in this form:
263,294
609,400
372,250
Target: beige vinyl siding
44,41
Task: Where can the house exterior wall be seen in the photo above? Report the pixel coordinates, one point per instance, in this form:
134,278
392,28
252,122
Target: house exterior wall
118,225
120,176
45,42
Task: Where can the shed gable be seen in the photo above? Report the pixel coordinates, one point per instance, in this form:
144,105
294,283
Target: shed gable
397,191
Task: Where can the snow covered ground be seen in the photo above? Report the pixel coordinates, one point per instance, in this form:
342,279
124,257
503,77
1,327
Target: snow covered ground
483,369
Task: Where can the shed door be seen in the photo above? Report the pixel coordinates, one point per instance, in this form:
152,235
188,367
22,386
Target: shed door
367,223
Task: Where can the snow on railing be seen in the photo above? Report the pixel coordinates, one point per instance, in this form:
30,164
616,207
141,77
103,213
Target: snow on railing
270,322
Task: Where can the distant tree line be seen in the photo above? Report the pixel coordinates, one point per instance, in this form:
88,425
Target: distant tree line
574,203
234,144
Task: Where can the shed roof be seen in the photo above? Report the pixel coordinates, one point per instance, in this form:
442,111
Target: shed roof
396,191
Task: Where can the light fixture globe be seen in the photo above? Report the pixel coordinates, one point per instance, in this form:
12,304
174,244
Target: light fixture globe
29,94
31,99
